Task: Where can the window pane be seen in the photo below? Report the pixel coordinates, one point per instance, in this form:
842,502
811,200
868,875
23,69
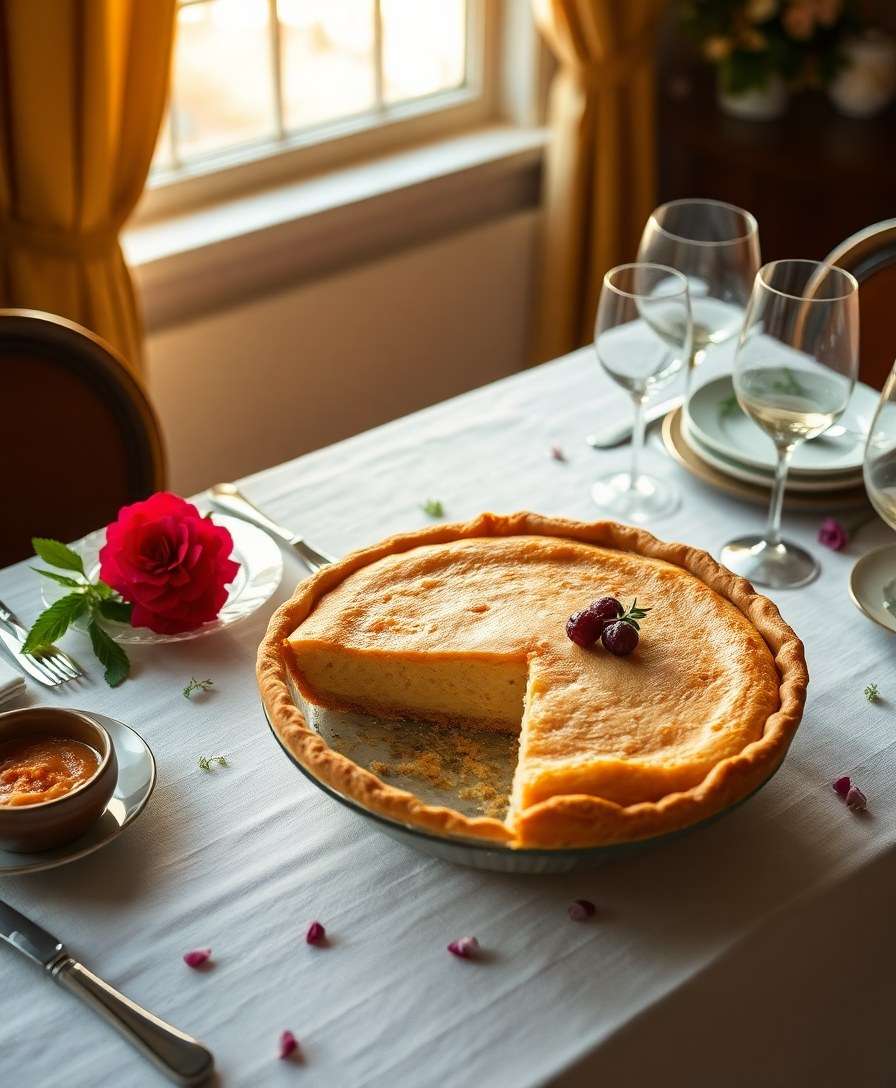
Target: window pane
162,159
327,59
424,44
223,88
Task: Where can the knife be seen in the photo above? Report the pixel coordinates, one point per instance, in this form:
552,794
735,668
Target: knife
178,1056
229,500
621,431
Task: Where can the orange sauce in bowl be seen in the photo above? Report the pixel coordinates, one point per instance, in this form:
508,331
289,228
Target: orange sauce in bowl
37,769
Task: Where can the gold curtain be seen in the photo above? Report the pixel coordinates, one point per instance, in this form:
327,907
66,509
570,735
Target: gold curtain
83,85
600,174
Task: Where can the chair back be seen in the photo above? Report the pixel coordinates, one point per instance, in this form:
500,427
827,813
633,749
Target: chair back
78,436
870,255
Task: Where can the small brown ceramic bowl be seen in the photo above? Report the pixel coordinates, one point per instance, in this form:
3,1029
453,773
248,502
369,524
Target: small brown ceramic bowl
28,828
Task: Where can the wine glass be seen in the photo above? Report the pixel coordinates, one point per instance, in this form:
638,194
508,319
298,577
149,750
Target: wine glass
642,336
794,370
880,454
716,246
880,477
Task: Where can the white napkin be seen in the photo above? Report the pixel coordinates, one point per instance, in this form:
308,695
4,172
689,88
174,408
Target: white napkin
12,683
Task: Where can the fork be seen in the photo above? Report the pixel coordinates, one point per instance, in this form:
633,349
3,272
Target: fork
51,666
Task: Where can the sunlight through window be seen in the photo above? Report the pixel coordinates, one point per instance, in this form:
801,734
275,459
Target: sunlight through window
255,74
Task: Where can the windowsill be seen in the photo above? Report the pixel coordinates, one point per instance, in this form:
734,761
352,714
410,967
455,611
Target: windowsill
201,260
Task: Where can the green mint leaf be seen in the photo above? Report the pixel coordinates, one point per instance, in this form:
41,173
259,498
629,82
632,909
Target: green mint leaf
72,583
57,554
119,611
433,508
54,621
110,655
102,591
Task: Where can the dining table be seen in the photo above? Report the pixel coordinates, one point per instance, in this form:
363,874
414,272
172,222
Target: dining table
758,949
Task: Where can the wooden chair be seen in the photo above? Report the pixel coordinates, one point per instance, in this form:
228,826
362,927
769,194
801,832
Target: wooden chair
78,436
870,255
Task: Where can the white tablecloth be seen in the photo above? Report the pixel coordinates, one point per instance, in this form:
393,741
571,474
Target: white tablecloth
744,953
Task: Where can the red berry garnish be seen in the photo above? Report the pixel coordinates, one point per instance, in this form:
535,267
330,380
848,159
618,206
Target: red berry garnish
620,638
606,619
606,608
585,627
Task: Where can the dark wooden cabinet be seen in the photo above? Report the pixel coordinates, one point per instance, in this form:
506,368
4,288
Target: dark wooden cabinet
811,177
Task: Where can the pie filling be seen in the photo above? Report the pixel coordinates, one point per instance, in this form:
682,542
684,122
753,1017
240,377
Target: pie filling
485,694
471,633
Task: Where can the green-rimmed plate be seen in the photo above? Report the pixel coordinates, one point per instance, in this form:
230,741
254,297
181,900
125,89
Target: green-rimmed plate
715,418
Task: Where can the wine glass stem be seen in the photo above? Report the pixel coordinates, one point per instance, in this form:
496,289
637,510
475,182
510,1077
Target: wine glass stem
694,360
637,438
773,533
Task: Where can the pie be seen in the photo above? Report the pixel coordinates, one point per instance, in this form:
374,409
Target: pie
465,625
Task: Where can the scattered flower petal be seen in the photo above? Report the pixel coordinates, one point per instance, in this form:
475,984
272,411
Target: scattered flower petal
316,933
197,957
557,453
289,1044
580,910
833,534
465,947
856,801
842,786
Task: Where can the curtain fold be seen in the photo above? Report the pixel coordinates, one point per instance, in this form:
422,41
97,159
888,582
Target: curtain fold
83,85
600,171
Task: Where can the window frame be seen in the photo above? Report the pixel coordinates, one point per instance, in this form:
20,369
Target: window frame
341,143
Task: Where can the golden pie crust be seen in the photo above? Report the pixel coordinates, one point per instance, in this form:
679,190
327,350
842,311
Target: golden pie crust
612,749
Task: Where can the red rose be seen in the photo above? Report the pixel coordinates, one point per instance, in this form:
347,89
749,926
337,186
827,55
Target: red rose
169,562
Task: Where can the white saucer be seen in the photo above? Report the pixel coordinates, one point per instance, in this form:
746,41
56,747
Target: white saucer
795,482
136,781
872,581
736,436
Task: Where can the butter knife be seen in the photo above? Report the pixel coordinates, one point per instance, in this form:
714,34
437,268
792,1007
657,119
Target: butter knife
614,434
230,500
178,1056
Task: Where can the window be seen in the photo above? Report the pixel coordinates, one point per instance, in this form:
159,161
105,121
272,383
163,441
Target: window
257,80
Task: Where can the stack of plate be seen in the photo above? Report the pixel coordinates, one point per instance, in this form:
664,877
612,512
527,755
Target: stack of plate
714,440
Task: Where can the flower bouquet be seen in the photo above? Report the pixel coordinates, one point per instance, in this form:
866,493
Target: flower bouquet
760,46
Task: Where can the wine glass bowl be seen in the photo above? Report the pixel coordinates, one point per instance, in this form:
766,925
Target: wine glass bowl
716,247
873,580
879,468
794,372
642,339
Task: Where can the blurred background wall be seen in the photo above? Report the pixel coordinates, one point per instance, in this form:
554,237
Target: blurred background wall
260,382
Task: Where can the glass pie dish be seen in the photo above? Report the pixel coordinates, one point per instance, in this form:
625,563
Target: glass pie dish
474,854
